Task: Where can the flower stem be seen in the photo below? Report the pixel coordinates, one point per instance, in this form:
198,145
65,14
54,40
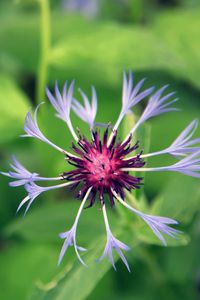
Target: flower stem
45,36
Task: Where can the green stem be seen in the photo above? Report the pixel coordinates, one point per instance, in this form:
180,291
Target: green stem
45,37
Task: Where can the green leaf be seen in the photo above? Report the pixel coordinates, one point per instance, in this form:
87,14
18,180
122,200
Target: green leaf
171,44
76,284
180,199
108,49
174,257
13,108
22,265
46,222
183,39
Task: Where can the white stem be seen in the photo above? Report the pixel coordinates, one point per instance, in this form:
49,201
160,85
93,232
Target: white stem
69,124
60,149
76,223
154,153
81,207
146,169
121,115
59,185
105,218
47,178
125,204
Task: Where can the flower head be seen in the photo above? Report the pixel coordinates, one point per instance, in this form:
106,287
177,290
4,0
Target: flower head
100,165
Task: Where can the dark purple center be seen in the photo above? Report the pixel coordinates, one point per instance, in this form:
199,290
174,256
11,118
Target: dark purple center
100,166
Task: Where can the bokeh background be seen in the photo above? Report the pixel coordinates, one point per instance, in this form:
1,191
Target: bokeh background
94,41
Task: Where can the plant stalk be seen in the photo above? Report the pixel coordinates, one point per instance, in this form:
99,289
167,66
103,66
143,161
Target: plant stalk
45,41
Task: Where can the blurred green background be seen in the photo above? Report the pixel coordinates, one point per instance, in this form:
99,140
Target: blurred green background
94,41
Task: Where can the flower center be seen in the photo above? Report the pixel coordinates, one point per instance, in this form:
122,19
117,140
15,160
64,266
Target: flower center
100,166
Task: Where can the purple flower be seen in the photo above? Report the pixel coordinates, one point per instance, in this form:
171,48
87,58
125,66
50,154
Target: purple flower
23,176
32,130
190,165
70,235
158,224
35,190
20,173
113,244
157,105
87,112
183,144
131,96
102,165
62,104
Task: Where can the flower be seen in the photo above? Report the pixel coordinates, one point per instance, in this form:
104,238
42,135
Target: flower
62,104
101,166
156,223
113,244
87,113
70,235
23,176
35,190
182,144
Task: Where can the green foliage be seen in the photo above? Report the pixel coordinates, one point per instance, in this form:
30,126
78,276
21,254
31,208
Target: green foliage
163,47
14,105
183,42
175,199
86,280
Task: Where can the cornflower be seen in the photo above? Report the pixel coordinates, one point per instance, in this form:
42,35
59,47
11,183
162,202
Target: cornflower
102,166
